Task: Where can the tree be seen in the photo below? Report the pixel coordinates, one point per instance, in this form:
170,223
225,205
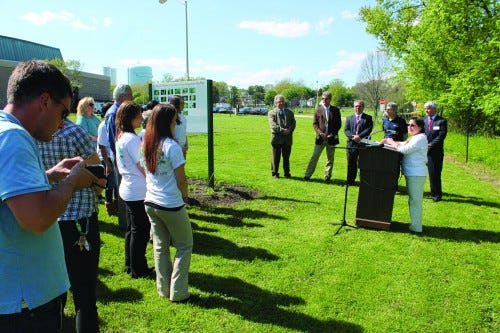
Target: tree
167,77
449,53
269,98
72,69
341,95
373,77
234,96
258,93
223,92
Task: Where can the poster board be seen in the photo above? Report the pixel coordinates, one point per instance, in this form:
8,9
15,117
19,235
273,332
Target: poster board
195,95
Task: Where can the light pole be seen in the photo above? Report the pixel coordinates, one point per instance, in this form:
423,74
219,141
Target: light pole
184,2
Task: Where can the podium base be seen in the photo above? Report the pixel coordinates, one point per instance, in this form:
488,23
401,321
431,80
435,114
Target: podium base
373,224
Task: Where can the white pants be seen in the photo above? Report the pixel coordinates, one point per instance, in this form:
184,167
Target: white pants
415,186
171,227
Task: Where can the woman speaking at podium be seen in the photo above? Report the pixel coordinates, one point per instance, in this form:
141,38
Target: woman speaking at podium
414,166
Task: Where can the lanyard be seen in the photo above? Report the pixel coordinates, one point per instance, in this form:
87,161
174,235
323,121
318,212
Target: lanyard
82,242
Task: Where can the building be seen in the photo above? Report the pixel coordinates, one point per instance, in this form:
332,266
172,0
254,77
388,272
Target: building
140,75
13,51
111,73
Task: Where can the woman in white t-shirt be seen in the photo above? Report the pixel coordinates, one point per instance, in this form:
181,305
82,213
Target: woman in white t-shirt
162,158
132,189
180,131
414,168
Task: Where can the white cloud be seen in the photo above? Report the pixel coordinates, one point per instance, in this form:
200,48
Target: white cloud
323,25
107,21
349,15
46,17
348,62
262,77
277,29
214,67
171,64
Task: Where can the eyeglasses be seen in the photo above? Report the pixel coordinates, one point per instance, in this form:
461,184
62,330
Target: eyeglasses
65,112
325,98
91,104
411,125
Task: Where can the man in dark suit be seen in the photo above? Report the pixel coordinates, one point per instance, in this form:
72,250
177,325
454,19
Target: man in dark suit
436,128
282,123
357,127
326,124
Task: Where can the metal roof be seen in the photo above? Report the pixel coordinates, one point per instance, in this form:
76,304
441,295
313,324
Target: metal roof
21,50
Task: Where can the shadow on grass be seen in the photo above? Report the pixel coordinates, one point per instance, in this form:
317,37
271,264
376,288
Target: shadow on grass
111,228
452,234
452,197
122,295
210,245
261,306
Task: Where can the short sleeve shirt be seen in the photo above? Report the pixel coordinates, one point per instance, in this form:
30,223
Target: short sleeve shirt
32,266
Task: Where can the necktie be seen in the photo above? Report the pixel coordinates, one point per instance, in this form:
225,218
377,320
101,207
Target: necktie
429,125
357,119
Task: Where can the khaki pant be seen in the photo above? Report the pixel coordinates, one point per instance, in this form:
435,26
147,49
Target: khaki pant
171,227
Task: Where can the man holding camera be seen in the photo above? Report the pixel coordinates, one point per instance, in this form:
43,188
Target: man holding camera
79,223
32,267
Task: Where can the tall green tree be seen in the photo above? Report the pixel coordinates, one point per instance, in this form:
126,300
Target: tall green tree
449,52
258,94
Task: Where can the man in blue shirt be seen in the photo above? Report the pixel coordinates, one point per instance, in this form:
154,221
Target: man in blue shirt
32,267
394,126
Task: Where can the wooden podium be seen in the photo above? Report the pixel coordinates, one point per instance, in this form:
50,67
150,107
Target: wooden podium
379,172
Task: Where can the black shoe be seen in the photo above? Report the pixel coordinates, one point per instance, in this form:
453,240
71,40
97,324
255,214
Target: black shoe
276,176
287,175
327,179
306,178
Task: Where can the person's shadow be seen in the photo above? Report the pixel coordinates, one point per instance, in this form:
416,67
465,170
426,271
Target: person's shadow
261,306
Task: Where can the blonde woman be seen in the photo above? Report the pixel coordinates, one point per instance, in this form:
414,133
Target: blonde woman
86,118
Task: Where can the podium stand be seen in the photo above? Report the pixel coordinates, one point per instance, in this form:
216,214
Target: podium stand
379,173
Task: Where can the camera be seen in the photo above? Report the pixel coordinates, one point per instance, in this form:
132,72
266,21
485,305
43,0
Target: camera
97,170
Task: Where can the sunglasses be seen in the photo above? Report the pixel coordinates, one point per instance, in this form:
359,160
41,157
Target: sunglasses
65,112
91,104
411,125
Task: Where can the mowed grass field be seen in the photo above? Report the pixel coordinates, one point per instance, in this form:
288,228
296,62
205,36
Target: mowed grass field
273,264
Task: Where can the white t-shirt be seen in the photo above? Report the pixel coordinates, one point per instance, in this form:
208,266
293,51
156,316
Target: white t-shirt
162,187
102,140
180,131
133,184
415,156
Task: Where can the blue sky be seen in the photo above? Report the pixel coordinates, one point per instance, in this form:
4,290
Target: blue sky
240,42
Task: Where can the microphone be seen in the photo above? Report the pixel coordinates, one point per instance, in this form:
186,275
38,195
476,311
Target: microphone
385,131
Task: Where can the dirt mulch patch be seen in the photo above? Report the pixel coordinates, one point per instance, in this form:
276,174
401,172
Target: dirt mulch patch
200,194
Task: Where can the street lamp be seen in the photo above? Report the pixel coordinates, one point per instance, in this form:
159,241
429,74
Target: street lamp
184,2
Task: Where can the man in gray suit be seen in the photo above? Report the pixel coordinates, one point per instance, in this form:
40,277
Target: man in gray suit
282,123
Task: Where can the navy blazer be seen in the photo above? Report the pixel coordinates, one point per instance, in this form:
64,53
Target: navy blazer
363,129
437,134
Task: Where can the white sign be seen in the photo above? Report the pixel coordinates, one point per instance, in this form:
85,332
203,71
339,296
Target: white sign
195,97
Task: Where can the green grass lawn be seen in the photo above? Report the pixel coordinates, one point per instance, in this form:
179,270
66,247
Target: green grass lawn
273,264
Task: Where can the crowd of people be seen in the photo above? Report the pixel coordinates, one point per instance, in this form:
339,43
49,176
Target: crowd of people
146,172
422,153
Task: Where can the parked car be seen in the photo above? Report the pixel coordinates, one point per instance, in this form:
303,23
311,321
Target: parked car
263,111
245,110
215,109
225,109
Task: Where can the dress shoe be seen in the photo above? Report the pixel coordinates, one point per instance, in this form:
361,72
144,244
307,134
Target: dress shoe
190,299
327,179
287,175
276,177
306,178
436,199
